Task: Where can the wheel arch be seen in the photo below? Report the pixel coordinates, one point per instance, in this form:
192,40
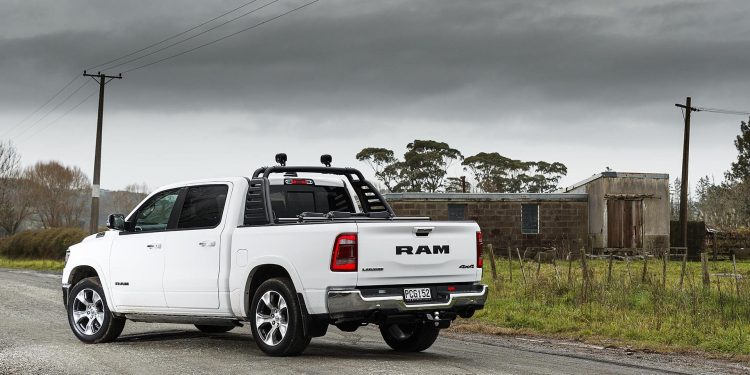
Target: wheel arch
257,276
90,269
81,272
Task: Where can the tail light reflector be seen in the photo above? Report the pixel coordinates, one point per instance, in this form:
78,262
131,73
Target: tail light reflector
344,257
479,250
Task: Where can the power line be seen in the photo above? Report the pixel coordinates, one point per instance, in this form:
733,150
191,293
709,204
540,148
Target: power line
71,109
723,111
189,38
173,36
12,128
53,109
224,37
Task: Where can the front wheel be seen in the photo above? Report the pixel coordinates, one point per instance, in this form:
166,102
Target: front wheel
276,319
88,314
414,337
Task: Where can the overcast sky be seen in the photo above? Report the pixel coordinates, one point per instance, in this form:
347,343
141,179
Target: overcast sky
591,83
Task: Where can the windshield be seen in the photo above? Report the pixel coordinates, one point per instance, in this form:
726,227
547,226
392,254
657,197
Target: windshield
291,200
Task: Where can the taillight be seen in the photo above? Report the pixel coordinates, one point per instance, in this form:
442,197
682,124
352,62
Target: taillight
479,250
344,257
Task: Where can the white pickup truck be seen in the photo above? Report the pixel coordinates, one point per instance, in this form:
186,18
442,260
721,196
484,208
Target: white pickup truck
289,251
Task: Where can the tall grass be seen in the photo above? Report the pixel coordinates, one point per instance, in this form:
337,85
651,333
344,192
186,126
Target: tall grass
628,307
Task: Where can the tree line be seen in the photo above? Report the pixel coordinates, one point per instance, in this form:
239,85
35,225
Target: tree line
724,204
50,194
424,168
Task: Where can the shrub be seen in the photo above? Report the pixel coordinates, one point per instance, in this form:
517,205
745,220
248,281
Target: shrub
41,243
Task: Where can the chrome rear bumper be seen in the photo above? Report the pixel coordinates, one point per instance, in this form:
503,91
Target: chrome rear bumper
352,300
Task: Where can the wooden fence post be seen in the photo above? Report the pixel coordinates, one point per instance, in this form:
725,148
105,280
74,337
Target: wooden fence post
570,267
584,269
734,273
609,269
645,268
538,264
491,254
520,261
664,261
627,267
510,264
682,271
704,267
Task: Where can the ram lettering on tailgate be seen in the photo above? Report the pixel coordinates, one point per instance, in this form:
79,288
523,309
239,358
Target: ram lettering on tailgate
436,249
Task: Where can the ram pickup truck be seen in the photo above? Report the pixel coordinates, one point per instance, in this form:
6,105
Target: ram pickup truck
289,251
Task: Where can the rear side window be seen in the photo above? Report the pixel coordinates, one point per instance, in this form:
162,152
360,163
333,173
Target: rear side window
292,200
203,206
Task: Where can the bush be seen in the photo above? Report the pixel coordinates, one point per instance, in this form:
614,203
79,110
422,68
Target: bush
41,243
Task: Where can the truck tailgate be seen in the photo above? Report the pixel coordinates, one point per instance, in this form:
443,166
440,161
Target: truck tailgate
417,252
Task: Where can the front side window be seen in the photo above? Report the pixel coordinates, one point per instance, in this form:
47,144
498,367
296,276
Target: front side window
530,218
154,214
203,207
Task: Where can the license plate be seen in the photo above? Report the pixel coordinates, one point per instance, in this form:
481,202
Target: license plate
417,294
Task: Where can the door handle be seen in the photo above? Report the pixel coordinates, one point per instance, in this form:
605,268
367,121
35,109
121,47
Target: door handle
207,243
154,246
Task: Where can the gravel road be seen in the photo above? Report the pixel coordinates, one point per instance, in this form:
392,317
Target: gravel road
35,338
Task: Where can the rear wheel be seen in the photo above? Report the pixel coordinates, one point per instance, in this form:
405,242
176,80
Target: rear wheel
276,319
88,314
213,329
413,337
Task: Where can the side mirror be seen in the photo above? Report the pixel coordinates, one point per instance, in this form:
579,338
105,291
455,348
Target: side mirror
116,221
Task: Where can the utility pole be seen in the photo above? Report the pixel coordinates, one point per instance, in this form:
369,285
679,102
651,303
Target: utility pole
684,182
102,79
463,183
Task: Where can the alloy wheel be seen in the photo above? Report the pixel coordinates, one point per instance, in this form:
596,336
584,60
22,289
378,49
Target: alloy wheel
88,312
271,318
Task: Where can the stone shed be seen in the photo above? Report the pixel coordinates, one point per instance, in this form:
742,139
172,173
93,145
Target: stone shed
627,210
517,220
610,210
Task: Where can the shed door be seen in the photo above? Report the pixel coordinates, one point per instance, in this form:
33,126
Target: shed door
624,223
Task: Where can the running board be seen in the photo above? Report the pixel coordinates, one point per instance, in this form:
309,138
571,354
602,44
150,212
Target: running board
183,319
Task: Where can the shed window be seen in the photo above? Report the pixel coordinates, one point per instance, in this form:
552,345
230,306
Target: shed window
530,218
456,212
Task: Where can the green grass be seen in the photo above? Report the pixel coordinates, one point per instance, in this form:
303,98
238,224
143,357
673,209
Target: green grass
626,310
32,264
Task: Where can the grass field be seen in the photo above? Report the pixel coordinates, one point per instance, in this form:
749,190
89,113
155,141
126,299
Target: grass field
625,308
32,264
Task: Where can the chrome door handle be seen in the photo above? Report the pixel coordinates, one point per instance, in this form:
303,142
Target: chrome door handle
154,246
207,243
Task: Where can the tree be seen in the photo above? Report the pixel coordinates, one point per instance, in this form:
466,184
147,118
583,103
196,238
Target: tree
14,199
740,170
423,168
544,177
499,174
58,193
382,162
425,165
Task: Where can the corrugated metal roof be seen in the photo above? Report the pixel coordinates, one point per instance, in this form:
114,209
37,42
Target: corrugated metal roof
613,174
487,197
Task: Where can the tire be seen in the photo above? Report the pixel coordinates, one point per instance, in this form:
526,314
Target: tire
213,329
414,337
276,319
88,314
